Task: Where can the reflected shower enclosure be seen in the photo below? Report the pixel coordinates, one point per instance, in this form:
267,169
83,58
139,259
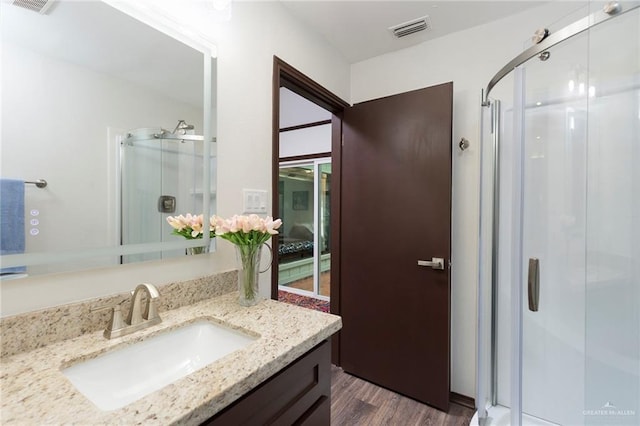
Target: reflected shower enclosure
161,175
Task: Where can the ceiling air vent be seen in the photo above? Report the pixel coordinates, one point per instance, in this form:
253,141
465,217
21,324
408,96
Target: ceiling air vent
40,6
414,26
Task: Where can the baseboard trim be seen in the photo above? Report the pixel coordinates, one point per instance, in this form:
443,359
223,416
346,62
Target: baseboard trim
463,400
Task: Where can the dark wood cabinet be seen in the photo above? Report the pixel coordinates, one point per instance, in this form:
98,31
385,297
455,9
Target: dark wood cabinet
300,394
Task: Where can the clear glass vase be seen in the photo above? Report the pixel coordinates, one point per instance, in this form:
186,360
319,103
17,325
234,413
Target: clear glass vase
248,260
196,250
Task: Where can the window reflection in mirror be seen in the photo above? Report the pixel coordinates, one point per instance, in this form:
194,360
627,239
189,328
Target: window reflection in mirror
91,102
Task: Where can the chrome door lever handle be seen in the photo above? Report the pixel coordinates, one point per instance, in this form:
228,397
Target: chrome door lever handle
435,263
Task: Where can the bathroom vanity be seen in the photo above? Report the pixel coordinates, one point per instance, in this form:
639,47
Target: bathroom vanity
282,375
299,394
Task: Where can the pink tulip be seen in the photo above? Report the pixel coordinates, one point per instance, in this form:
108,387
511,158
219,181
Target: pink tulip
271,225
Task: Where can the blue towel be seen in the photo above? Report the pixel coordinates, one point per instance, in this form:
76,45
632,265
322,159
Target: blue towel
12,221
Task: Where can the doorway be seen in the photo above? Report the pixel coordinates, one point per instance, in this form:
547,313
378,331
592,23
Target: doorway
327,121
391,170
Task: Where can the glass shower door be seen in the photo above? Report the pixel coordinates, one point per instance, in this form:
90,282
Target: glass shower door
554,111
612,299
580,192
141,185
153,170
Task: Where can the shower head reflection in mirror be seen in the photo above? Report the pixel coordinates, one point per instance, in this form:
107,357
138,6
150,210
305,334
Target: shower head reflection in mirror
104,84
183,127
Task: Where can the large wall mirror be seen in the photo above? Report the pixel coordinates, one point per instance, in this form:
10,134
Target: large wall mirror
110,113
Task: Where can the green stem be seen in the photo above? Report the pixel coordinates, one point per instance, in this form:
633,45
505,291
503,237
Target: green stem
249,260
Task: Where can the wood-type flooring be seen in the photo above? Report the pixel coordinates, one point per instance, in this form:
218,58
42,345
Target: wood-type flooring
356,402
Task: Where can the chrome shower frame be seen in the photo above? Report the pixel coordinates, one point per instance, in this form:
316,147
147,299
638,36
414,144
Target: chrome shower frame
610,11
164,135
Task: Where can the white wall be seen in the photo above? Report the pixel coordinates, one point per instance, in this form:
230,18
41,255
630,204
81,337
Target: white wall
307,141
258,31
469,58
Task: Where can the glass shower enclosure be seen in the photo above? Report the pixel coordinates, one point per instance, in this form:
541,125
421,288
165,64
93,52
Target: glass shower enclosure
559,293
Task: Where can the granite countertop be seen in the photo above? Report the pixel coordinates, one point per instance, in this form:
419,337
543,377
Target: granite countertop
34,391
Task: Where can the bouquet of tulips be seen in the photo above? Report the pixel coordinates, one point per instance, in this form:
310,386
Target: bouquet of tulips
240,230
191,226
246,230
248,234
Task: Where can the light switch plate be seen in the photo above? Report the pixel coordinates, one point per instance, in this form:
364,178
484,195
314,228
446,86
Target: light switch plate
254,201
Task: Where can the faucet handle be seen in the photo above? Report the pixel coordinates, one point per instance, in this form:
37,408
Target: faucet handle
115,322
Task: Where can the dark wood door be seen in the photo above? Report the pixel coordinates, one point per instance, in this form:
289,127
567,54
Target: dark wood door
396,210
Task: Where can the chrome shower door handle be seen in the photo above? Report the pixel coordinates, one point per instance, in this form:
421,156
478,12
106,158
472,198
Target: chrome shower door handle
435,263
533,282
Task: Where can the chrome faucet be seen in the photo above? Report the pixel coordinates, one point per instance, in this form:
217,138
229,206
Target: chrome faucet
137,318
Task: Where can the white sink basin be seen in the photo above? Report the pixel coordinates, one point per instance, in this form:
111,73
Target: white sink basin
124,375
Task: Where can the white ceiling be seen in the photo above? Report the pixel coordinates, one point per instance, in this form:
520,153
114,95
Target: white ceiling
359,29
96,35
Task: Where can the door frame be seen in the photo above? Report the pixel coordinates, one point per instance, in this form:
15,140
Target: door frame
284,75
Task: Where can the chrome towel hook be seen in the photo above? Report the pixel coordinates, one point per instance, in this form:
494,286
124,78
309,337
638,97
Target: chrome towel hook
464,144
